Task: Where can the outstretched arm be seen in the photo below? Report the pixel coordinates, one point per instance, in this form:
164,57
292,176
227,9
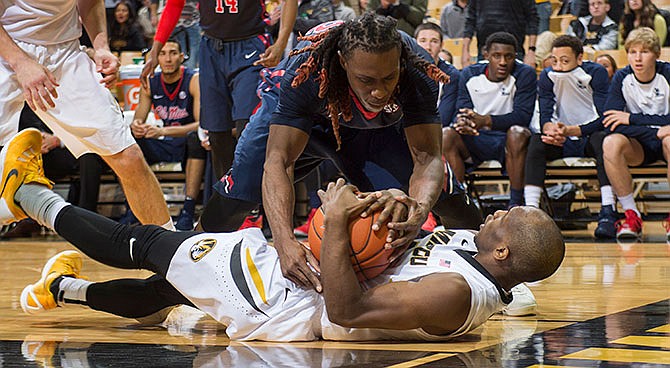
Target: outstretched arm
437,303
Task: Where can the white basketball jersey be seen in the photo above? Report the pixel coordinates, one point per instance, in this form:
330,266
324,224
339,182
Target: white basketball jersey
492,98
236,278
41,22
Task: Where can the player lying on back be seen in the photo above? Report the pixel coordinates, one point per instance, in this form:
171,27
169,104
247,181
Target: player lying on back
443,286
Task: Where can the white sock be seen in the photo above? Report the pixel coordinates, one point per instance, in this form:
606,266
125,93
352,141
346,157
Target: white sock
40,203
628,203
169,226
532,194
73,289
607,197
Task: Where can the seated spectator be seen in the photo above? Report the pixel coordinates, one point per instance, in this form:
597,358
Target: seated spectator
125,34
495,104
641,13
409,13
572,96
609,63
175,95
144,20
637,113
596,30
452,20
580,8
429,37
342,11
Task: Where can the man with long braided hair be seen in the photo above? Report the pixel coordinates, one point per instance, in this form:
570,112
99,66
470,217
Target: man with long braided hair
351,93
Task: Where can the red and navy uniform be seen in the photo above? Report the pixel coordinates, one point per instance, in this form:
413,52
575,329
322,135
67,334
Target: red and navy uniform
233,39
172,103
376,138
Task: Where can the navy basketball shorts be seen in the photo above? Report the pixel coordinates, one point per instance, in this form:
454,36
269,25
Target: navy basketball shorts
652,146
228,81
488,145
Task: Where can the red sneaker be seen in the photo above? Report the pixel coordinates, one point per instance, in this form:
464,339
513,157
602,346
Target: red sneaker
303,229
252,221
430,223
666,225
629,227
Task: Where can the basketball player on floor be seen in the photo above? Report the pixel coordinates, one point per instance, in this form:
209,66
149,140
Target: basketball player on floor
42,64
233,49
235,278
353,92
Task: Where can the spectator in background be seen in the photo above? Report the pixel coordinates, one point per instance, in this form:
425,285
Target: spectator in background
144,20
637,113
187,32
363,6
609,63
543,8
125,34
571,96
485,17
642,13
429,36
452,19
312,13
580,8
596,30
342,11
495,105
409,13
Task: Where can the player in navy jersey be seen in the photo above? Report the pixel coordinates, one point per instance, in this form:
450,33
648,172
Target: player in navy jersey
637,113
233,50
572,95
357,93
495,105
175,96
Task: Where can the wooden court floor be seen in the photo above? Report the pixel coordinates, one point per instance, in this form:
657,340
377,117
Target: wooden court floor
607,306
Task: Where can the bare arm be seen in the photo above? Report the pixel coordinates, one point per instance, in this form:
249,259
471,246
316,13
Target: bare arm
285,144
438,303
92,14
138,126
272,56
179,130
425,184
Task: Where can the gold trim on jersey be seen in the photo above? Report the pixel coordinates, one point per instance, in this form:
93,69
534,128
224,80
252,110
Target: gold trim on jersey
256,276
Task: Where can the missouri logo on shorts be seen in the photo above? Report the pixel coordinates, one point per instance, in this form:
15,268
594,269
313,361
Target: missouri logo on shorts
201,248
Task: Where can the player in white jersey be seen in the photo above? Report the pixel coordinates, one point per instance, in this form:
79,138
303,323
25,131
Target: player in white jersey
443,286
637,113
42,63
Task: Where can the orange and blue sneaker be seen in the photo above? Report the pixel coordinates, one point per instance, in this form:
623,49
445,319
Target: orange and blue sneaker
41,295
21,160
629,227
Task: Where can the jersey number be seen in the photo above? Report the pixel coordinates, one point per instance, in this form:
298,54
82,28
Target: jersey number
231,4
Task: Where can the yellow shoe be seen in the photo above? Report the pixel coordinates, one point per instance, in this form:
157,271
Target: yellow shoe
21,161
35,349
38,296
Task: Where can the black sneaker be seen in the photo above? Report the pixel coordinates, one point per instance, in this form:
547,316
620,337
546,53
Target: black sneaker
607,219
184,221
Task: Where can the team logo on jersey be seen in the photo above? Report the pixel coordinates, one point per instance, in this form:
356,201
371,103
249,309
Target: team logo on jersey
658,93
182,95
201,248
580,85
504,91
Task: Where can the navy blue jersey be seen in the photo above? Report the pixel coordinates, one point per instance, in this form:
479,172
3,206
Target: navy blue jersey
509,102
232,19
448,93
176,107
648,103
301,107
575,97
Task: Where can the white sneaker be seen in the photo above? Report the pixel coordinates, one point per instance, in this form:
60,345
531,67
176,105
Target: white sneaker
523,302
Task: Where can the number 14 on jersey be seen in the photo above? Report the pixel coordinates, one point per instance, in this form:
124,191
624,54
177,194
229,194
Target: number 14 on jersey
230,4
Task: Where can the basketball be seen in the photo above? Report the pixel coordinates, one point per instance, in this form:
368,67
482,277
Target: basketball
368,255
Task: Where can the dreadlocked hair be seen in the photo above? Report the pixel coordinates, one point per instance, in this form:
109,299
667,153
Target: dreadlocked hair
369,33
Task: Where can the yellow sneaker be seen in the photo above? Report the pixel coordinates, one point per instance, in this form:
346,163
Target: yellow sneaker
21,161
38,297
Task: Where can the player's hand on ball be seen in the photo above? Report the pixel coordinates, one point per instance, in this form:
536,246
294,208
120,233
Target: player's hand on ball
340,199
37,83
407,230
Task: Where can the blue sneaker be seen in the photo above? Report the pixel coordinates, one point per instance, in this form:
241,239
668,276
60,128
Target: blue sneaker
607,219
184,221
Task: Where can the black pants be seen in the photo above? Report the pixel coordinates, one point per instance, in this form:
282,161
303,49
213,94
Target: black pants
111,243
539,153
